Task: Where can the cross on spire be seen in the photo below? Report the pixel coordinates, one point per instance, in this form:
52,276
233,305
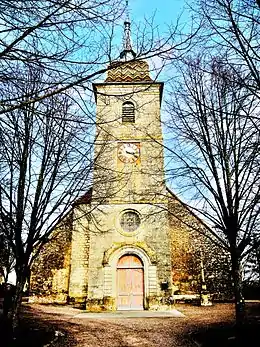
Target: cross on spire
127,11
127,53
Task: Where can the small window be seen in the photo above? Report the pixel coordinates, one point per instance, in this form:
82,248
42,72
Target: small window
128,112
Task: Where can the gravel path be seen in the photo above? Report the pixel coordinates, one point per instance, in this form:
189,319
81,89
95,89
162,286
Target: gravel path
128,332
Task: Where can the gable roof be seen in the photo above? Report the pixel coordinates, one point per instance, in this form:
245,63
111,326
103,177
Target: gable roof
189,210
84,199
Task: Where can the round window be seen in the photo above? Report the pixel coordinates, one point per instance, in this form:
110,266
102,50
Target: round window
130,221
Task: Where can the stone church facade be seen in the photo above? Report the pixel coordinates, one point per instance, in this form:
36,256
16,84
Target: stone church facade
128,243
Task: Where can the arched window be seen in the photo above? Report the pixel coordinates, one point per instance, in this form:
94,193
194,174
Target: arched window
128,112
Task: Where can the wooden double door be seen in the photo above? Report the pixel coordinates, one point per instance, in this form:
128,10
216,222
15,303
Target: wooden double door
130,283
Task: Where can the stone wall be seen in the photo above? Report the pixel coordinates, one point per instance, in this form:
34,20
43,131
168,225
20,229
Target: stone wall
79,269
193,246
51,269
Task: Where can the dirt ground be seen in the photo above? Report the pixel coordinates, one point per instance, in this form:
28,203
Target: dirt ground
46,326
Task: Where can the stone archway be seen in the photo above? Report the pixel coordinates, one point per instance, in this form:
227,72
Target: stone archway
130,283
110,274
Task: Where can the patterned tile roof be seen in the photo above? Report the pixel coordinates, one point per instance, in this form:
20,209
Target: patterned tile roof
130,71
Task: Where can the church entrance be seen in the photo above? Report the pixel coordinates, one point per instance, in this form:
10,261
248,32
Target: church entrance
130,283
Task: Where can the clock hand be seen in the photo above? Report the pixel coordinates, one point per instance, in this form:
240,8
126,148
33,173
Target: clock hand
129,152
132,153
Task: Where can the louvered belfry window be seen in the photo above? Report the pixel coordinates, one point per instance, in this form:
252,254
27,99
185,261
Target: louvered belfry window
128,112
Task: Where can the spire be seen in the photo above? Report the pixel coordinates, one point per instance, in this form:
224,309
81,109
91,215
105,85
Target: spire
127,37
127,53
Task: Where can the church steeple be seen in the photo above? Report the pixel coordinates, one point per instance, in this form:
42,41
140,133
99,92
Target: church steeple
127,53
127,68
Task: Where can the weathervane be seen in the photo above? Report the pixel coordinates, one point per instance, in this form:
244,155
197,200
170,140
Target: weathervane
127,11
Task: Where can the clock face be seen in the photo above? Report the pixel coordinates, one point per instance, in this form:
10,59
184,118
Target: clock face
128,152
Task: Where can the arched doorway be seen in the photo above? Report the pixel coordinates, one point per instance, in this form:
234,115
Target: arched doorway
130,283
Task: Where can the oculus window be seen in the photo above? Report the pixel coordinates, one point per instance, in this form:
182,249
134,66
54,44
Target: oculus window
130,221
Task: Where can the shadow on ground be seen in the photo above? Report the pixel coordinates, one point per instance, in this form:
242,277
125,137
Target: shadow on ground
227,335
36,332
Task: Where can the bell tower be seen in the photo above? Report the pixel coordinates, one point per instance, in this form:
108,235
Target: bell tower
129,249
128,151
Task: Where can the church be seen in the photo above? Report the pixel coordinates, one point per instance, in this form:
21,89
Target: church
128,243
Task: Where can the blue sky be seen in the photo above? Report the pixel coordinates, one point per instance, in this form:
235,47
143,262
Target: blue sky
166,10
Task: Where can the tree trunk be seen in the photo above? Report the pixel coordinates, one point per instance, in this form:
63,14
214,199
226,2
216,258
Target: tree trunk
6,275
21,274
239,299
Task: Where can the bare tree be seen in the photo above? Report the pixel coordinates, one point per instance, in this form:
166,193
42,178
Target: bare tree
73,40
230,30
46,162
216,156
